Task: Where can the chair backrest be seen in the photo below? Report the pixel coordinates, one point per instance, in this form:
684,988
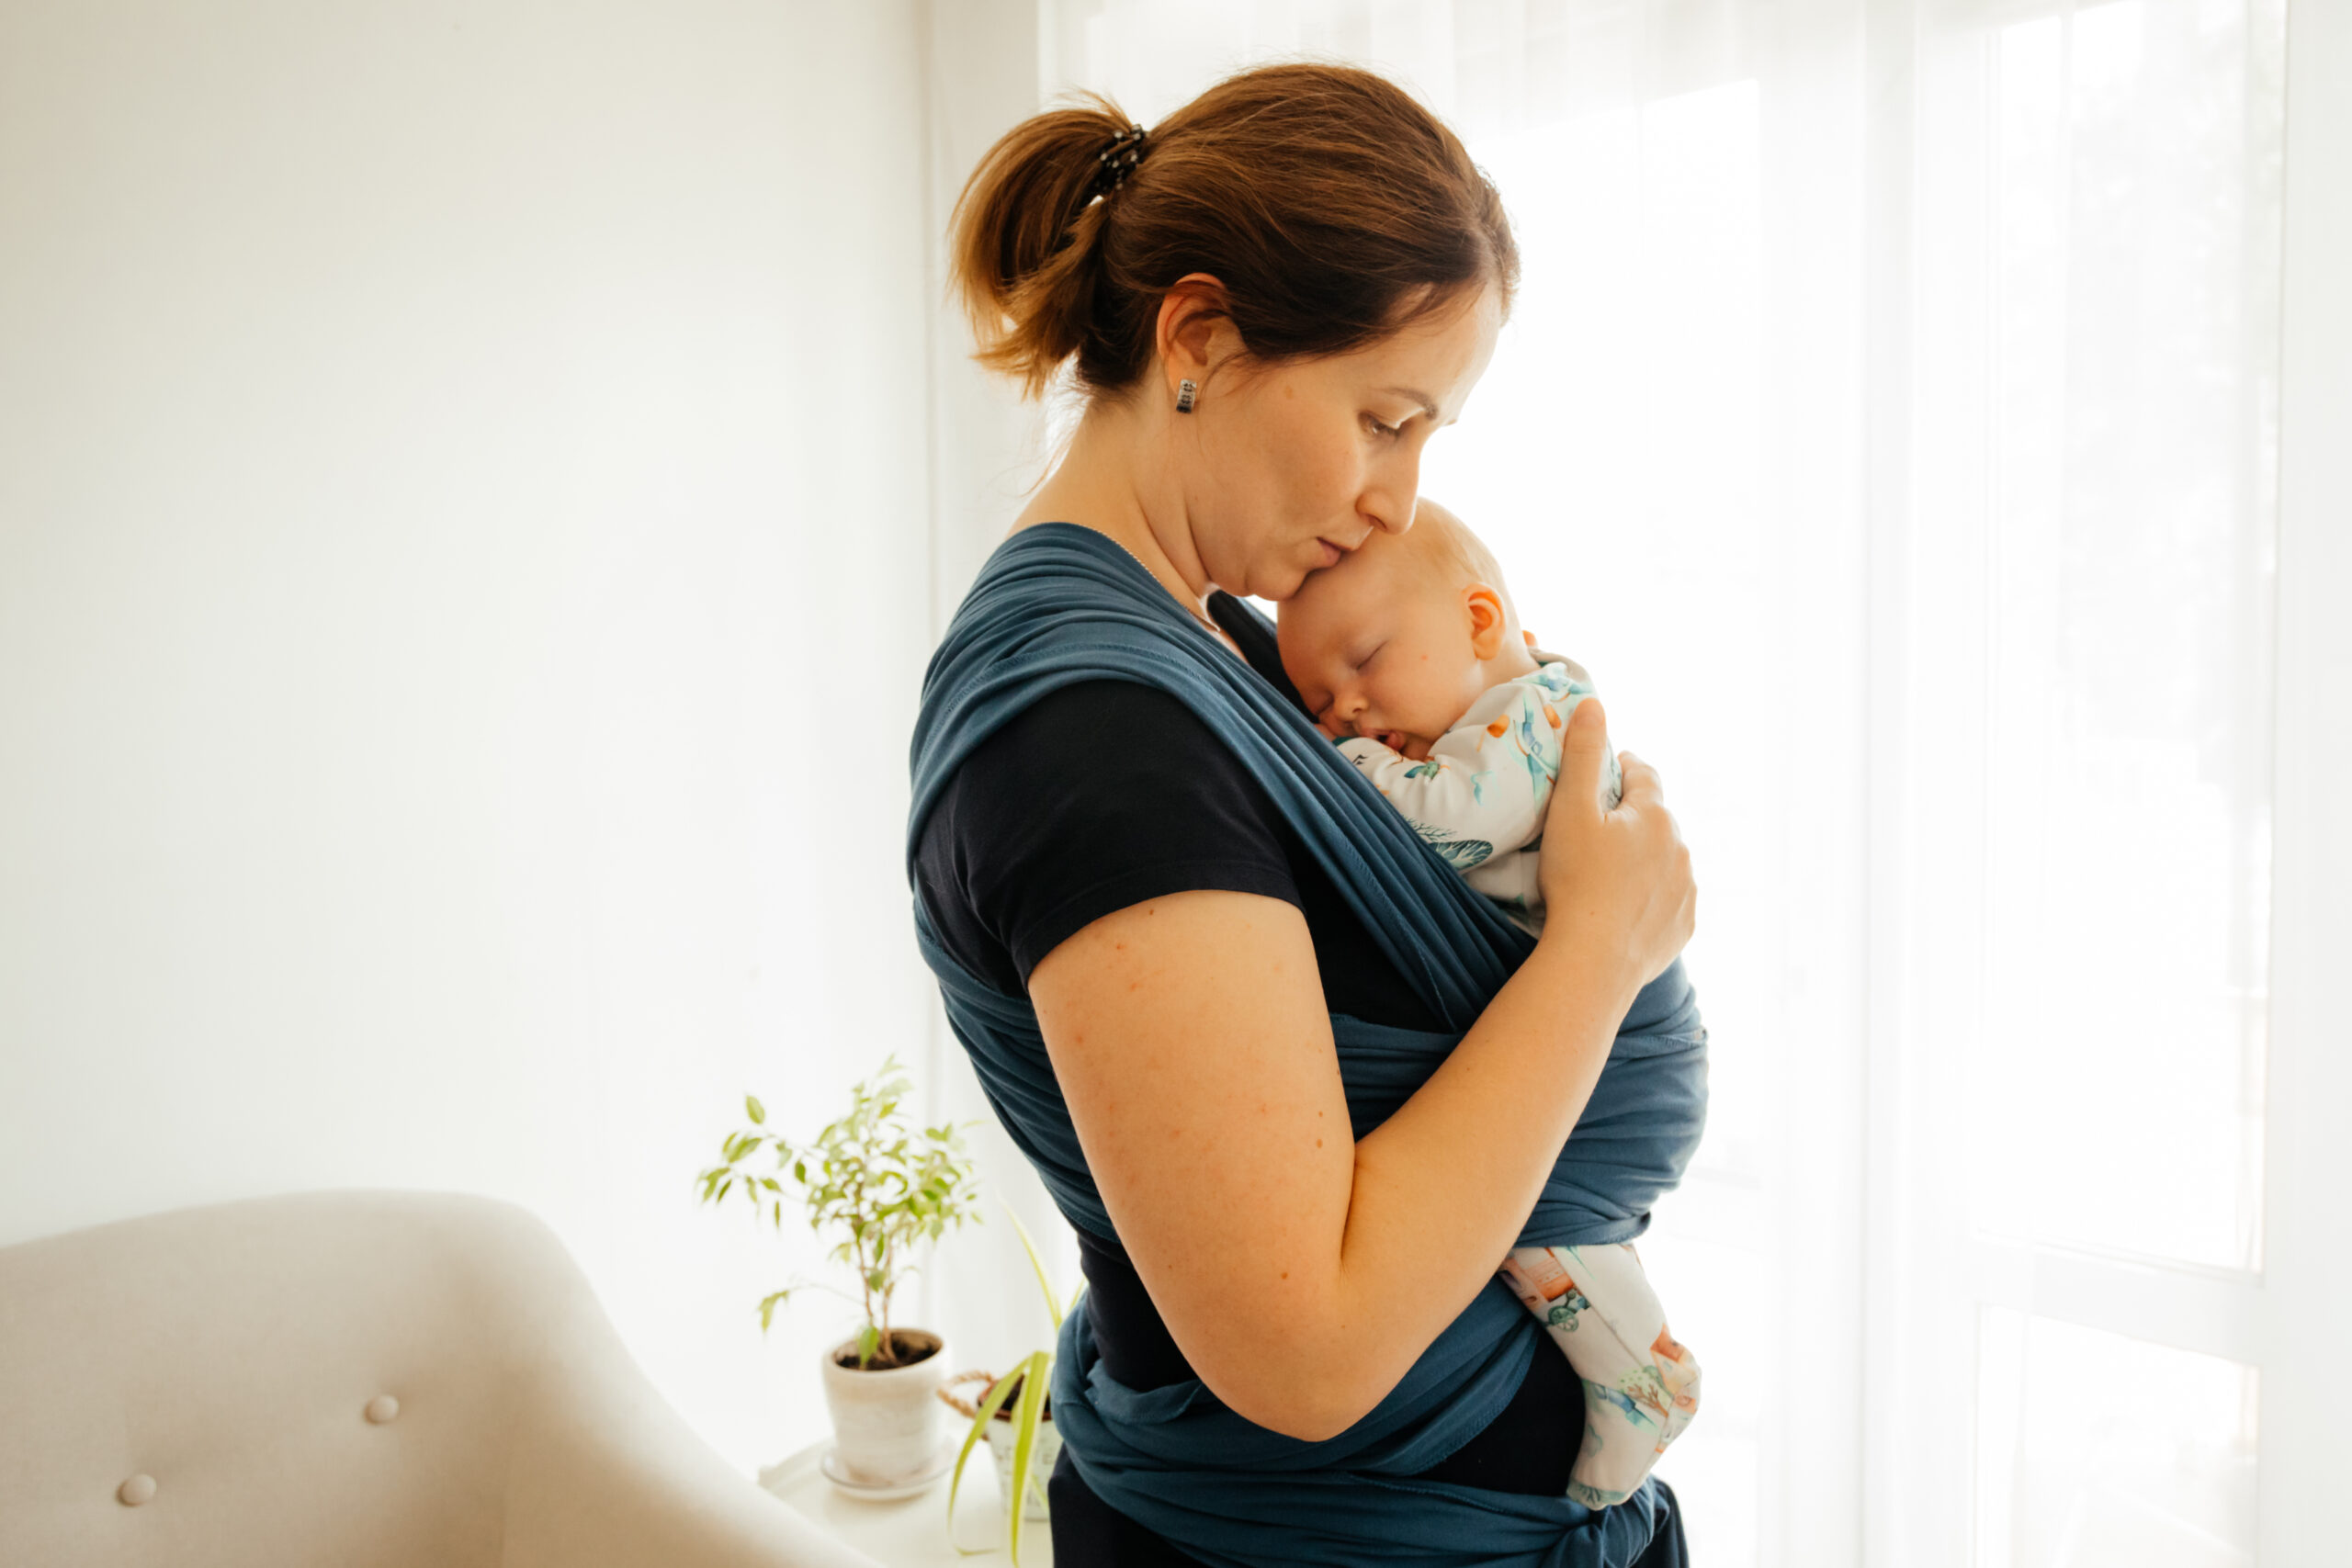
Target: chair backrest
232,1354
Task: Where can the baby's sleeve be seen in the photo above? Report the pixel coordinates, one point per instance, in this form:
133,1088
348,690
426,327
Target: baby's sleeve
1482,790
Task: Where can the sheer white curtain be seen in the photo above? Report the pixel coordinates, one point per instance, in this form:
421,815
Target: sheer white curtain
1665,454
1892,420
2081,723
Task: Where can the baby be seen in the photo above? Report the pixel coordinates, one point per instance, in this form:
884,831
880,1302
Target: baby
1410,653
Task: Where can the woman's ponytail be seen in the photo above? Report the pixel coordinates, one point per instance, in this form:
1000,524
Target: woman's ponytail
1025,237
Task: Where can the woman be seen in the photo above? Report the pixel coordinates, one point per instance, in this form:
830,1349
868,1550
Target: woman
1214,1000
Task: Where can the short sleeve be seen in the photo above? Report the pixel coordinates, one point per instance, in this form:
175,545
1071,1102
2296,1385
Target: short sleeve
1096,797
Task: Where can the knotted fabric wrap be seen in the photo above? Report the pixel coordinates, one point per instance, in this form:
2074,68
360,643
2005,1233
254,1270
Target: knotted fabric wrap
1057,604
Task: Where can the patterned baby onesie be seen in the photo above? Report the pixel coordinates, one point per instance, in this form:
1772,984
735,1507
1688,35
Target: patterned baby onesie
1479,800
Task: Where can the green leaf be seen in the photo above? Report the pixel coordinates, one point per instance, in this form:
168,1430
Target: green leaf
757,1111
1053,1302
990,1403
1034,1372
869,1340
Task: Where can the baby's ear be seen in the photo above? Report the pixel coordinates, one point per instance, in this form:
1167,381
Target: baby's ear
1487,620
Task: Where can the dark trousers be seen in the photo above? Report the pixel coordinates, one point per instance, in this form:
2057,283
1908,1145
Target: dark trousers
1089,1533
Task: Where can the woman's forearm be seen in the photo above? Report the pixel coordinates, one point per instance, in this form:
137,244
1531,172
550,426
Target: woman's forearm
1442,1186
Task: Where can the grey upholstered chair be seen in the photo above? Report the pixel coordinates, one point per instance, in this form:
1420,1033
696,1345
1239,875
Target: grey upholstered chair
367,1379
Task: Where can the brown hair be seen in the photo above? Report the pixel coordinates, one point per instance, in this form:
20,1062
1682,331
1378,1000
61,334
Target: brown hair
1332,206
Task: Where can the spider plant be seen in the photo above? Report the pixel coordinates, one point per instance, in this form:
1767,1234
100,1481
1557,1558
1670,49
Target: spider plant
1026,1386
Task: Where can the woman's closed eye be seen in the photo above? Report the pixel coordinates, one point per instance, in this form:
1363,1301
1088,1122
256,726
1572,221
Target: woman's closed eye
1372,424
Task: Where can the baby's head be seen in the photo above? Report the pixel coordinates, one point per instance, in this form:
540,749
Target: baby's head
1399,639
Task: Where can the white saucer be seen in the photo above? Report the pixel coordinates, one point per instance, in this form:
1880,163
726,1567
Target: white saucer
942,1465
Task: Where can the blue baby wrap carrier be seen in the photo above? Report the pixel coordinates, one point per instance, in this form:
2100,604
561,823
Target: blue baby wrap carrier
1057,604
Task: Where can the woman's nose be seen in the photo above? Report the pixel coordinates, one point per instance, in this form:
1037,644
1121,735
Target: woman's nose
1387,512
1391,500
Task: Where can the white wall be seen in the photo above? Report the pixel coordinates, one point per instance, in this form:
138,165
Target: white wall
463,512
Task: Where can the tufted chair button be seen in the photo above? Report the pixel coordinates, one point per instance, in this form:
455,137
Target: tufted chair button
137,1490
383,1408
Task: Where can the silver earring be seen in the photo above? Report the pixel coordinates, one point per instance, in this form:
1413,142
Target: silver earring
1185,391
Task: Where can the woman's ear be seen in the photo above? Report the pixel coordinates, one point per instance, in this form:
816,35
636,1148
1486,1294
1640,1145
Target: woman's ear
1487,624
1194,333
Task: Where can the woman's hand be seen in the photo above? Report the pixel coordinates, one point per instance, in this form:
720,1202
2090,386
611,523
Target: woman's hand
1616,883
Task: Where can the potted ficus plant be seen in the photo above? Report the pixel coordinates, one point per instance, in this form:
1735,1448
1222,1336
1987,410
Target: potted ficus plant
1014,1417
882,1187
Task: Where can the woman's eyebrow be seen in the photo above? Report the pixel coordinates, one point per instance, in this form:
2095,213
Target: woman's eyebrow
1429,404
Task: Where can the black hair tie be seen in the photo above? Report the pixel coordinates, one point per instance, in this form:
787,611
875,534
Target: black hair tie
1117,160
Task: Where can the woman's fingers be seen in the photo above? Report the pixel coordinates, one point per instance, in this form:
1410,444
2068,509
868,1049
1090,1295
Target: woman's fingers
1621,878
1686,912
1669,916
1575,807
1643,786
1583,749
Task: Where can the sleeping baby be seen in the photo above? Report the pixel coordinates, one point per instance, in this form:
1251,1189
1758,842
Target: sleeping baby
1410,654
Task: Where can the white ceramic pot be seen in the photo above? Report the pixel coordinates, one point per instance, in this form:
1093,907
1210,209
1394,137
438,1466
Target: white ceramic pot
1041,1464
887,1425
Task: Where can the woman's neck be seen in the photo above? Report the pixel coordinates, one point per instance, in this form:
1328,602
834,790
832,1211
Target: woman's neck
1104,483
